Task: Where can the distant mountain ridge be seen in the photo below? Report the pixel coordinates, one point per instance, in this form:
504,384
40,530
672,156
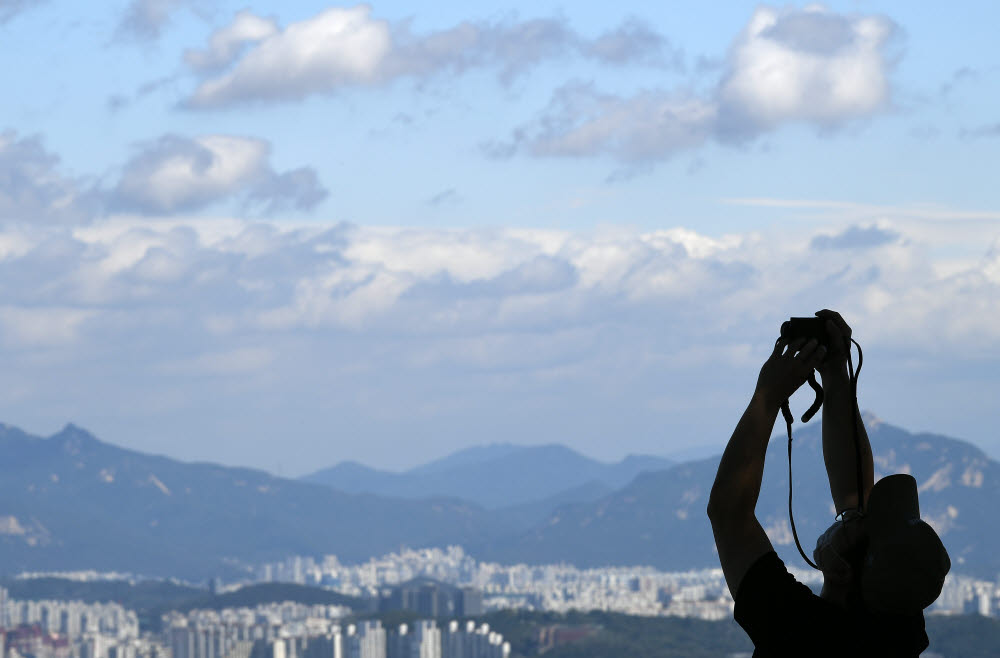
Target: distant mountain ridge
494,476
71,502
659,519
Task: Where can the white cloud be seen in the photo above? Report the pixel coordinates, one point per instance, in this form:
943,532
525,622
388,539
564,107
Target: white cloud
176,173
344,277
164,176
225,44
338,46
809,65
345,47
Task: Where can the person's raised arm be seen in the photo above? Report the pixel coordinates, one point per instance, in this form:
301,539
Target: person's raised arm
840,418
739,537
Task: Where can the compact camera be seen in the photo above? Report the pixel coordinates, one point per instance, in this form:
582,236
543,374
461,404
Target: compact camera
806,328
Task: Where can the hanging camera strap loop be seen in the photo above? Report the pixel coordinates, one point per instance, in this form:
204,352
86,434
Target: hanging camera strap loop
787,414
856,411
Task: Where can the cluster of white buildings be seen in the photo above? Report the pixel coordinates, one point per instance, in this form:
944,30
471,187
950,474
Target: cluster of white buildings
963,595
553,587
560,587
73,629
317,632
70,629
73,618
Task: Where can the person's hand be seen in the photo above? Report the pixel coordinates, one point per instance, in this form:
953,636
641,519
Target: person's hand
840,333
788,367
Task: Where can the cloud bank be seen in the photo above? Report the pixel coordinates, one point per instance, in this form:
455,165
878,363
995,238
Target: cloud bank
227,327
259,278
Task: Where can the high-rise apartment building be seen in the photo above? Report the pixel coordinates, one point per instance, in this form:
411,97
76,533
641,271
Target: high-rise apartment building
432,599
365,640
423,640
470,641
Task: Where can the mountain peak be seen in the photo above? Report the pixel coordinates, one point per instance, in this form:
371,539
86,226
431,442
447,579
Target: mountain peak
71,429
73,438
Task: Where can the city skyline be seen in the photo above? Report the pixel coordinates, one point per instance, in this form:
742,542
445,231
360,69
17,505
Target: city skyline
290,236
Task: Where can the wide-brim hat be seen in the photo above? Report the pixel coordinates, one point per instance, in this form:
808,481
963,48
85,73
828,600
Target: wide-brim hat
906,562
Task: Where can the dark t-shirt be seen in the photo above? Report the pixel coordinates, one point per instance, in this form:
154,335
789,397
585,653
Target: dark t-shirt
783,617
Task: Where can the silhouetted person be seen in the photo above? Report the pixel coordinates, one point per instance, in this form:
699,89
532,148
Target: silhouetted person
881,565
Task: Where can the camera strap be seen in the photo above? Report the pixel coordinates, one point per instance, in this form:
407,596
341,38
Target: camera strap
817,403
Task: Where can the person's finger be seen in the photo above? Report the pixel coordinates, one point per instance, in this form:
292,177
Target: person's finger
827,313
837,319
816,357
779,346
795,346
834,331
808,349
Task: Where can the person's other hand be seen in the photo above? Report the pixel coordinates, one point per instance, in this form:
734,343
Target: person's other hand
788,367
840,333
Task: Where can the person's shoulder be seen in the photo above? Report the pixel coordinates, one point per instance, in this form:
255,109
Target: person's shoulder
769,576
770,595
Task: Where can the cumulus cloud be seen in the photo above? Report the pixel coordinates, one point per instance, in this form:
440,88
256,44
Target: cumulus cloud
169,175
472,280
344,47
174,174
808,65
337,47
225,45
33,189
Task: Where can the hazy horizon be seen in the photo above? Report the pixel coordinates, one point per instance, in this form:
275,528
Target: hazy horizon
690,454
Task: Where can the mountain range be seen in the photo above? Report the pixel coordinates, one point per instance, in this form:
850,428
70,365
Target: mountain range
496,476
659,518
70,501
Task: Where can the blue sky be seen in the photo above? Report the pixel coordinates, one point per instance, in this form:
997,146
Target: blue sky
288,235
